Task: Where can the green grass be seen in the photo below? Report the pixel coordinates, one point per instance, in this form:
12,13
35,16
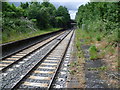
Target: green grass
14,36
78,44
102,68
91,37
98,38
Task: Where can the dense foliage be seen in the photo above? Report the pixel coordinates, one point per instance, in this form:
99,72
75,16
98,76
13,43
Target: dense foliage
45,14
100,16
30,17
99,26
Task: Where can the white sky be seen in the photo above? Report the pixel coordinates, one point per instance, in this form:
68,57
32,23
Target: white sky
72,14
48,0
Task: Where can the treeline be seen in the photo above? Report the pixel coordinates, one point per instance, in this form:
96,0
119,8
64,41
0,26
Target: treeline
99,16
31,19
44,15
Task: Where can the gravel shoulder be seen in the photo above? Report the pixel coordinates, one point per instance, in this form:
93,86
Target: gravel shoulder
76,69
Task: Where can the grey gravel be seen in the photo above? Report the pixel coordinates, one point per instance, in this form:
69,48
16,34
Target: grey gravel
9,80
60,81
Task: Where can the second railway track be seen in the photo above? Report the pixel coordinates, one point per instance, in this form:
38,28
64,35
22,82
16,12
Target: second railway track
42,66
15,58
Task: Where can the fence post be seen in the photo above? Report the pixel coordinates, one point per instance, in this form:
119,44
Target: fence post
83,26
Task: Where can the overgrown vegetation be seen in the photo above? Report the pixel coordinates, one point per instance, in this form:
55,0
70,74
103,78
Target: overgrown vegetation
99,16
98,24
30,18
101,27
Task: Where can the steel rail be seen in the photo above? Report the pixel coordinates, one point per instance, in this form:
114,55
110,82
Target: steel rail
14,87
59,65
28,40
5,68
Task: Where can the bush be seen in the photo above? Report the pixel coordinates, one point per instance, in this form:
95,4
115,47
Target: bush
93,52
98,38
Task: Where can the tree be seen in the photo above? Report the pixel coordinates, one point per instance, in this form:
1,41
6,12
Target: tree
63,12
11,10
44,15
60,21
40,13
43,18
24,5
105,13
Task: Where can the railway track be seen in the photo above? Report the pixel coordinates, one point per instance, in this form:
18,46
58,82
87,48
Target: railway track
38,69
11,48
17,57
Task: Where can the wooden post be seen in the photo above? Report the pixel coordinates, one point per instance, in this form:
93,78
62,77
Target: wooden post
83,26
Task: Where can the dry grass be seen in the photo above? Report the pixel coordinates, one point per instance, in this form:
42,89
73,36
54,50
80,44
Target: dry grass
108,54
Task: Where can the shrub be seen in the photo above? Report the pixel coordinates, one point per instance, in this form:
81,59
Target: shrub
93,52
98,38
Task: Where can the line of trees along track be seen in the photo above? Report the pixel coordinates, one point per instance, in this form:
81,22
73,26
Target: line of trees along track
99,16
100,20
44,14
34,16
98,41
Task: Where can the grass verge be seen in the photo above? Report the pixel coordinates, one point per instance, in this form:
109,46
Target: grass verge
77,63
14,36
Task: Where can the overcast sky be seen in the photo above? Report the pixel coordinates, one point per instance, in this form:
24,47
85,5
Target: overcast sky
71,5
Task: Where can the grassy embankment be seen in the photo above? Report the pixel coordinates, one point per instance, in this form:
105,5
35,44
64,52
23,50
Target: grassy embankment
17,29
101,28
102,46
